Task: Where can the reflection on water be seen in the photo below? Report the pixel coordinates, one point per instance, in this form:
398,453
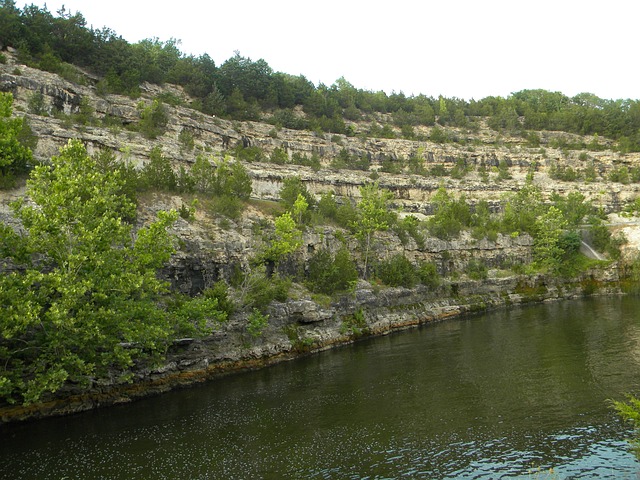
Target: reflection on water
509,394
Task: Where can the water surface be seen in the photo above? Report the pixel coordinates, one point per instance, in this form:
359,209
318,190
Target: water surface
507,394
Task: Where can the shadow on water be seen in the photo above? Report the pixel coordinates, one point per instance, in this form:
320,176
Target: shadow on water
509,394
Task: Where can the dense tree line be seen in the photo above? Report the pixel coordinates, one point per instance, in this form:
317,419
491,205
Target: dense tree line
243,89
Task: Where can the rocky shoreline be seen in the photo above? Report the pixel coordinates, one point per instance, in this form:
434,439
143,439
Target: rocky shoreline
302,327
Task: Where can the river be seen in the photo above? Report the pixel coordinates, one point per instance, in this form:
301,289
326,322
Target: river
514,393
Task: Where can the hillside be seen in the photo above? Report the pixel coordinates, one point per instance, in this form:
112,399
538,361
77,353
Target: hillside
452,235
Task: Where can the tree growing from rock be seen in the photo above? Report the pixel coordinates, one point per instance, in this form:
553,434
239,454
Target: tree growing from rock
372,216
87,301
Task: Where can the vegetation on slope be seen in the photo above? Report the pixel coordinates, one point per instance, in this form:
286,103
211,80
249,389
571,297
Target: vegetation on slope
83,302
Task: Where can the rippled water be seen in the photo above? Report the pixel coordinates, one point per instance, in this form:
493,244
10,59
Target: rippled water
509,394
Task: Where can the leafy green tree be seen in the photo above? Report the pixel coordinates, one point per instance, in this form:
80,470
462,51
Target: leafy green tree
232,179
573,206
630,412
547,248
287,239
88,305
397,271
372,216
203,174
521,210
291,188
14,156
153,119
299,209
158,172
450,216
329,273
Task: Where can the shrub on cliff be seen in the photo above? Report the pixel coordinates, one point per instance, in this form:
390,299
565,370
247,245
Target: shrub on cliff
14,156
88,302
329,273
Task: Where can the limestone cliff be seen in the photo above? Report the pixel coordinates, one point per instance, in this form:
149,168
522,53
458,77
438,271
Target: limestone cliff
212,249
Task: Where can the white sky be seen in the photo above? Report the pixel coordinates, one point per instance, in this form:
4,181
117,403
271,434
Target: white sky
456,48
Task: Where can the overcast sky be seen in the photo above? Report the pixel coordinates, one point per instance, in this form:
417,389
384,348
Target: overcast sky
456,48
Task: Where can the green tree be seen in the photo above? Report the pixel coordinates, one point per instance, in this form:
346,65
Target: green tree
372,216
88,305
291,188
547,248
153,119
451,215
329,273
158,173
287,238
14,156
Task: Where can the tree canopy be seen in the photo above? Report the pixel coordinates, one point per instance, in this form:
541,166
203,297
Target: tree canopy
241,88
85,299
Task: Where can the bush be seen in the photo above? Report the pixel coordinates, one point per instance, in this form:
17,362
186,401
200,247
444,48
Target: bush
409,226
260,290
256,323
329,274
619,174
153,119
451,215
476,269
291,188
397,271
158,173
428,275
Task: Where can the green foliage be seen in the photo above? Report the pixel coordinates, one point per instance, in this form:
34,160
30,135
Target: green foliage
563,172
220,292
286,240
483,224
619,174
521,210
397,271
15,157
574,207
476,269
428,275
438,135
153,119
503,170
90,305
36,104
329,273
279,156
450,216
630,412
292,187
547,248
158,173
350,161
299,209
256,323
355,324
372,215
313,162
232,179
249,154
409,226
257,290
186,140
327,206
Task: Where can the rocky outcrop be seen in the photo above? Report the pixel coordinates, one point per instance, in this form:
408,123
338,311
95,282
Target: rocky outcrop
299,327
212,249
215,136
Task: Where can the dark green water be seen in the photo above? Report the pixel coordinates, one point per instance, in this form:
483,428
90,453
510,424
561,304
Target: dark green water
503,395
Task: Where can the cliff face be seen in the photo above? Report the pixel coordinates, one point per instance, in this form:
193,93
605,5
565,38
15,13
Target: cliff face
212,249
